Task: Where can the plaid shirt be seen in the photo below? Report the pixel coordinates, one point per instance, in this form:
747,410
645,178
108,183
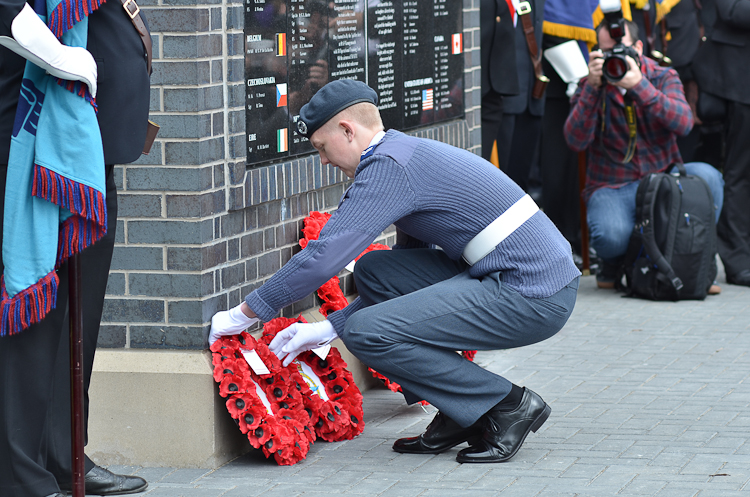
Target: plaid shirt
662,113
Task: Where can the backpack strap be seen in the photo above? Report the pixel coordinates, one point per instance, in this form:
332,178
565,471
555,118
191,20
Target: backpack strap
649,239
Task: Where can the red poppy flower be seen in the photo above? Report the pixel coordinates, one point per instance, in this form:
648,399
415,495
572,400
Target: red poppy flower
356,415
236,404
469,354
232,384
251,417
291,454
262,433
332,425
276,325
336,388
313,225
269,358
224,346
372,247
228,366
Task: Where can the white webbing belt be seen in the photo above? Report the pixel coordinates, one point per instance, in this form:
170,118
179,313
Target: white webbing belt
499,229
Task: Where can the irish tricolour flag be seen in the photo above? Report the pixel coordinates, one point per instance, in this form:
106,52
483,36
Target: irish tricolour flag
282,139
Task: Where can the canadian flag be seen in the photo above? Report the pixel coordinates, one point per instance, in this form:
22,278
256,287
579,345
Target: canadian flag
458,43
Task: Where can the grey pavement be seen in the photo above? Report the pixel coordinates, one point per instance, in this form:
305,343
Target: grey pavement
648,398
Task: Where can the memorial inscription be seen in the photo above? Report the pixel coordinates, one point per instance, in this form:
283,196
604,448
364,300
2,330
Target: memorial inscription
410,52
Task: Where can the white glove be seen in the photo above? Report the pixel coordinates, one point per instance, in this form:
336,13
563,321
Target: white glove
231,322
33,41
299,337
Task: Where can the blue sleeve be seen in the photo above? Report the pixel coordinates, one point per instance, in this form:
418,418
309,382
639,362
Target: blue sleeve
379,196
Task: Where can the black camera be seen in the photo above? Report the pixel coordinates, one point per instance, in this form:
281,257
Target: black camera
615,64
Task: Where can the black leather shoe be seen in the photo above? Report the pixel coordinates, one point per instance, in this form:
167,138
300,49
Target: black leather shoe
441,434
100,481
741,278
505,431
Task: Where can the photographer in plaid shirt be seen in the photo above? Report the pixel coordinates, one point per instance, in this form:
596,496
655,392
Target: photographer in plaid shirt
598,123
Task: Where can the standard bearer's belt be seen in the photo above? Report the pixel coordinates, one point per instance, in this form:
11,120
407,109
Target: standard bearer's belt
499,229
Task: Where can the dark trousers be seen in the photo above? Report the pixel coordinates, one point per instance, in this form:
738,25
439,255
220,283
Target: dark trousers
422,307
35,444
517,146
733,229
559,165
492,118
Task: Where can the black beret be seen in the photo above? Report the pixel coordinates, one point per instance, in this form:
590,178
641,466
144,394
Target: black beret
330,100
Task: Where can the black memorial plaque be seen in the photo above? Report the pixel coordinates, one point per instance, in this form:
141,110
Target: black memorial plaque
308,60
449,63
385,38
266,111
346,40
409,51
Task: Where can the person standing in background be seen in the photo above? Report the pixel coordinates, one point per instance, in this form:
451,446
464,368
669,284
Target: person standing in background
35,438
499,73
563,20
721,71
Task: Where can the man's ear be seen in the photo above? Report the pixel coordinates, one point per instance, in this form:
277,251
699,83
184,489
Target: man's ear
638,45
348,128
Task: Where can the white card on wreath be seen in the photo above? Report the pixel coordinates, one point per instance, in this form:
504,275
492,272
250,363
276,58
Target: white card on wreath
255,362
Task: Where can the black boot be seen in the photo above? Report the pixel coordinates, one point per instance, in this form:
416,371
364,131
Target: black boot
100,481
441,434
505,431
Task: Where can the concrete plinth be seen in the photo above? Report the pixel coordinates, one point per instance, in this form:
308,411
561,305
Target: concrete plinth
162,408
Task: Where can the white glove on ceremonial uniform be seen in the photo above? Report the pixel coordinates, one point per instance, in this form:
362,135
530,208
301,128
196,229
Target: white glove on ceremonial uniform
33,41
231,322
299,337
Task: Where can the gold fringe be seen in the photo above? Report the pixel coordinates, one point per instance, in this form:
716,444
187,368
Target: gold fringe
570,32
664,8
639,4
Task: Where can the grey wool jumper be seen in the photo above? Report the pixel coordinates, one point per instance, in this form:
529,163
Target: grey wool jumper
439,195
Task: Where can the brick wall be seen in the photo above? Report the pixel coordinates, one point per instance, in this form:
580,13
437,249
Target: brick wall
197,230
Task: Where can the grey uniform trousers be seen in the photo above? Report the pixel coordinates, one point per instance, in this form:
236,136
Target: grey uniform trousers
422,307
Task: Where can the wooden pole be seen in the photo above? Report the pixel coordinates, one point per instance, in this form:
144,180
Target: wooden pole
584,224
76,374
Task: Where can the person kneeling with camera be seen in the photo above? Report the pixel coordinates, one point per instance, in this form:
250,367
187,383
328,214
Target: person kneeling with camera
627,114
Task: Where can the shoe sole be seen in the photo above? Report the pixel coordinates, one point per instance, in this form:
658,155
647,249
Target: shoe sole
471,441
538,422
126,492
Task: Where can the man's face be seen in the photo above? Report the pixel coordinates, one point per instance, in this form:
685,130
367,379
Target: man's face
606,42
335,146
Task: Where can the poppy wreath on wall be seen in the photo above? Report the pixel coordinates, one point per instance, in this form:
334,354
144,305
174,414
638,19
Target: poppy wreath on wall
331,294
282,410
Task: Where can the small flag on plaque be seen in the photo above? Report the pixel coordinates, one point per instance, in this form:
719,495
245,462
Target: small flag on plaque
280,44
427,100
281,95
458,43
282,139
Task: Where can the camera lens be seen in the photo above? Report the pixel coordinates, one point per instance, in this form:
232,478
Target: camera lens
615,68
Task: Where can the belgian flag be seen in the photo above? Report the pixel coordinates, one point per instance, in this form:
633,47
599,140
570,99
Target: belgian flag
280,44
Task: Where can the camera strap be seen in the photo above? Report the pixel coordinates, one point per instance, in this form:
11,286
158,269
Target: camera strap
632,129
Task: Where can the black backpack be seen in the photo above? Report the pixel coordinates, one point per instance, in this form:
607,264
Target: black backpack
672,251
